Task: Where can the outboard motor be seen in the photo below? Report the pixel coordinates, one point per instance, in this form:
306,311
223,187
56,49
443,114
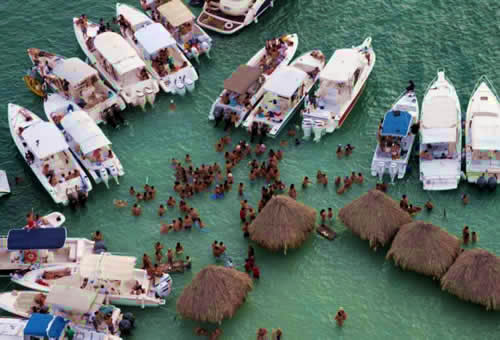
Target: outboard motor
117,114
196,54
393,171
109,118
205,47
189,84
481,182
125,327
103,174
307,128
163,288
179,86
318,129
73,202
82,198
114,173
380,170
141,99
150,96
492,183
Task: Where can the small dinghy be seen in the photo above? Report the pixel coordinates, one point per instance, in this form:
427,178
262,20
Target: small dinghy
53,220
34,85
326,232
4,184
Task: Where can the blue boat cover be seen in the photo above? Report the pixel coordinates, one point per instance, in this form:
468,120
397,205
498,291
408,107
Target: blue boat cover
396,123
45,325
39,238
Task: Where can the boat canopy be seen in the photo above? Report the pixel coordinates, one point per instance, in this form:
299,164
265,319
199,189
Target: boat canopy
241,80
396,123
4,183
439,120
84,131
153,38
136,18
74,299
285,81
108,267
74,70
341,66
485,132
117,52
44,139
176,13
39,238
45,326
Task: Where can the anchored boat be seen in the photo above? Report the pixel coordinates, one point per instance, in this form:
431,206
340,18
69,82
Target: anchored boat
4,184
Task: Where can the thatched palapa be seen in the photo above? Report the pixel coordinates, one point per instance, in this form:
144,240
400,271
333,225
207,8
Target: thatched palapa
215,294
375,217
283,223
475,277
424,248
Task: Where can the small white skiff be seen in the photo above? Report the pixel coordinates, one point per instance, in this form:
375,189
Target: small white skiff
53,220
4,183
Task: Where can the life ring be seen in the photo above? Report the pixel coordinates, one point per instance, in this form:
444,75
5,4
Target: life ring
228,25
30,256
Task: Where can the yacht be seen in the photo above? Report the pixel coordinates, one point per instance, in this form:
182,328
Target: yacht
440,136
45,150
341,84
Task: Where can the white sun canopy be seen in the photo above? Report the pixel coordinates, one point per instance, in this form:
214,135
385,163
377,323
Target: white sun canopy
74,299
341,66
486,133
74,70
84,131
176,13
154,37
439,120
117,52
44,139
285,81
135,17
108,267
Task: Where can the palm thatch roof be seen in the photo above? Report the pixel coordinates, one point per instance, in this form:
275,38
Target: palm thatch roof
424,248
374,217
215,294
283,223
475,277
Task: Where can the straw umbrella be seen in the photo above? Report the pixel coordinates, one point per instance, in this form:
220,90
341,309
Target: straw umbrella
424,248
475,277
283,223
374,217
215,294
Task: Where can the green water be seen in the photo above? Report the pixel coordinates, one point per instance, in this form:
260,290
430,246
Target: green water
301,291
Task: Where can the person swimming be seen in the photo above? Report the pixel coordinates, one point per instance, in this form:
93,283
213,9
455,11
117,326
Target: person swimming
475,238
340,317
429,206
465,235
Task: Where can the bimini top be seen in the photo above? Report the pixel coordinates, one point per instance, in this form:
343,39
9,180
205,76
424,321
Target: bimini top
176,13
485,132
154,37
396,123
45,325
117,52
84,131
108,267
74,70
44,139
74,299
285,81
135,17
242,79
39,238
341,66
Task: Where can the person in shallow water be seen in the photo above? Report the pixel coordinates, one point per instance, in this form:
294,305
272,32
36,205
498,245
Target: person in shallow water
429,206
465,235
475,238
340,317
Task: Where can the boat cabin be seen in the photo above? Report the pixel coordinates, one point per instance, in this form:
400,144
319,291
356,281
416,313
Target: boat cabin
393,134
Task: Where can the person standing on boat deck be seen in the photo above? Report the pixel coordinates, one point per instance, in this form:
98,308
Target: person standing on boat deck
411,86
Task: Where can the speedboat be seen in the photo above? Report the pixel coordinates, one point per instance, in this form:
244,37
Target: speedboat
86,140
117,62
440,136
341,83
244,89
53,220
482,136
230,16
159,50
77,81
396,138
46,326
116,273
284,92
23,249
4,184
45,150
180,22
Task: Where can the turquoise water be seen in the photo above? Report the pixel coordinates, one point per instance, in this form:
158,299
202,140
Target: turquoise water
301,291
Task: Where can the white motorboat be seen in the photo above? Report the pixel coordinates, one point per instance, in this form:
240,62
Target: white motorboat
440,136
116,273
117,62
46,326
78,82
482,136
47,153
243,90
395,137
4,184
230,16
53,220
86,140
341,84
159,50
180,22
22,249
285,90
